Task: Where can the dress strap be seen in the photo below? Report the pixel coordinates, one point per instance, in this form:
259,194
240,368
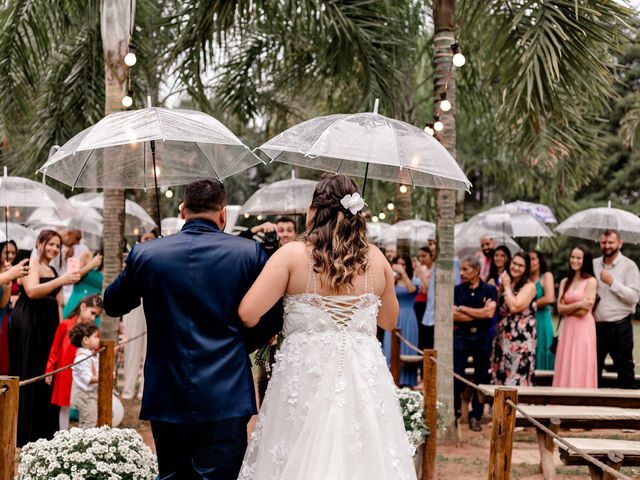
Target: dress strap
368,281
311,277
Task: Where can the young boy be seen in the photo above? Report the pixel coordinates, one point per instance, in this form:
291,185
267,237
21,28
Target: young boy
85,374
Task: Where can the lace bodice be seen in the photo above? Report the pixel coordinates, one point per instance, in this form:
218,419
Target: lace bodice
313,313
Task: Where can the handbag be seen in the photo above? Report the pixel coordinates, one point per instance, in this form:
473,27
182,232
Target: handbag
553,348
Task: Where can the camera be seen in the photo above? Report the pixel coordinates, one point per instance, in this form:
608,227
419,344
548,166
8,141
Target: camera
270,242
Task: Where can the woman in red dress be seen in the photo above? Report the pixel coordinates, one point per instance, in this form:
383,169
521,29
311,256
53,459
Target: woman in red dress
63,353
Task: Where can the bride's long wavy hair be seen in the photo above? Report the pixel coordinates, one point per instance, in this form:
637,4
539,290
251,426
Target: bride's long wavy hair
338,237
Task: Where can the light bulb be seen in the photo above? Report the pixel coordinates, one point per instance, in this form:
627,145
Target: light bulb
445,105
168,193
438,126
429,129
403,189
382,216
259,217
130,59
246,215
458,60
374,219
390,206
127,101
136,231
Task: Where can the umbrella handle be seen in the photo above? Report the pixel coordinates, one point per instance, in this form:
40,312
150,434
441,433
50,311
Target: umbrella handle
364,183
155,181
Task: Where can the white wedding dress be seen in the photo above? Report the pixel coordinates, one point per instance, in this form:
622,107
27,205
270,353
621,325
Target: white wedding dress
330,411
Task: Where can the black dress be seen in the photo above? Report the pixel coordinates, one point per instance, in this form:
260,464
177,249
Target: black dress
34,324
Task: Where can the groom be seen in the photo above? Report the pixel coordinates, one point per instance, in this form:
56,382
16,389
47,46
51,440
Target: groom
198,391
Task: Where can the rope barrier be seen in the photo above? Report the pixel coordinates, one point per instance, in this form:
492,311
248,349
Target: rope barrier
583,454
535,422
66,367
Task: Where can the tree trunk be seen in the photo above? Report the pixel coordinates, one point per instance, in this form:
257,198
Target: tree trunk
114,25
444,22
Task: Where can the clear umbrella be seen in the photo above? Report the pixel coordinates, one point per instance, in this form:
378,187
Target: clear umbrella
376,230
172,225
149,148
286,197
137,220
24,237
538,210
368,145
87,220
467,240
590,223
504,223
416,231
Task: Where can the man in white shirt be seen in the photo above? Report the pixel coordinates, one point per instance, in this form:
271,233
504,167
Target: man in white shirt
488,246
619,291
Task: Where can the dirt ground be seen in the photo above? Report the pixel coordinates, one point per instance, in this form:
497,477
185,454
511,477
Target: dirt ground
469,459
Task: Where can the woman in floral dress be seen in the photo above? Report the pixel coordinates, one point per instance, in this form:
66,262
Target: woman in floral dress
513,358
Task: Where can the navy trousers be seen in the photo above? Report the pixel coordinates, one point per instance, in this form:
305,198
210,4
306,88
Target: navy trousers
466,343
201,451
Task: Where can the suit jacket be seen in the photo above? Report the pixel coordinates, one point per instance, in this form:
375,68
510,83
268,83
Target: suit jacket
197,367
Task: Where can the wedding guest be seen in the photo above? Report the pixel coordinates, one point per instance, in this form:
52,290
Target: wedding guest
619,290
513,360
545,297
71,248
85,374
34,323
423,274
577,357
63,353
7,278
390,251
9,254
499,263
475,305
488,246
406,291
135,352
89,284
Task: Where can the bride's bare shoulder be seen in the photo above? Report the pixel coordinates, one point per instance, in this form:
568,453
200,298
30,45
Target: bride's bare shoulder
292,250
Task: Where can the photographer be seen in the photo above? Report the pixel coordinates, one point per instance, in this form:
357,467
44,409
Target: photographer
275,234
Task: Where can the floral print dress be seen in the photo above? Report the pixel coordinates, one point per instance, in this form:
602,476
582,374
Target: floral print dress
513,360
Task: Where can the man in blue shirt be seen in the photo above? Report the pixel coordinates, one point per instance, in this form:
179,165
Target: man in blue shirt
474,306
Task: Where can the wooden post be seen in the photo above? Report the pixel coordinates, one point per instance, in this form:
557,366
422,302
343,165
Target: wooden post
105,383
504,421
396,364
613,460
546,446
429,383
9,392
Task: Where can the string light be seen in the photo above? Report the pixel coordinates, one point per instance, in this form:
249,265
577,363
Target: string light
445,105
374,219
382,216
390,206
458,57
246,215
429,129
403,189
168,193
130,58
259,217
438,126
127,100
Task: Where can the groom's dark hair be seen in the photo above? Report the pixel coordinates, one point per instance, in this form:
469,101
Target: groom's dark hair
204,195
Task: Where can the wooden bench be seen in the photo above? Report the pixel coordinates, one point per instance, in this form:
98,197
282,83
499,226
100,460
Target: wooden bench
614,453
601,397
572,416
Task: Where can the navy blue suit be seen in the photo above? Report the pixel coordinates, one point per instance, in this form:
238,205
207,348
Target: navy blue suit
197,370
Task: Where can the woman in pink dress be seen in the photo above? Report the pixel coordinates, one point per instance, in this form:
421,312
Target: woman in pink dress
576,358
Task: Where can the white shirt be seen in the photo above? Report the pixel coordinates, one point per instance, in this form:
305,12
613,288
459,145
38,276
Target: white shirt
620,299
85,371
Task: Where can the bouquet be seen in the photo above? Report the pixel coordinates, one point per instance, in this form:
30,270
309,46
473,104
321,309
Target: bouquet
97,453
412,406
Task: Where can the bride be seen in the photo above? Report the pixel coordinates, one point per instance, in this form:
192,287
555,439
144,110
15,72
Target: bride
330,411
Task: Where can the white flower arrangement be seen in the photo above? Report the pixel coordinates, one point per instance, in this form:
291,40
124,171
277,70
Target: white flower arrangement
412,405
97,453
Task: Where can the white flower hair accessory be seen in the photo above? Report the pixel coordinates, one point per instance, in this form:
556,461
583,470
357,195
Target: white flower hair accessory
354,203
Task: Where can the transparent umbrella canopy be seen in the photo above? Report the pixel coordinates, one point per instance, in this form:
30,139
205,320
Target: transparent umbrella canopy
467,240
172,225
137,220
286,197
540,211
504,223
87,220
376,230
368,145
416,231
24,237
149,148
589,223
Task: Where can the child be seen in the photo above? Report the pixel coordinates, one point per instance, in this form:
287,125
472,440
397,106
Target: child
63,353
85,375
